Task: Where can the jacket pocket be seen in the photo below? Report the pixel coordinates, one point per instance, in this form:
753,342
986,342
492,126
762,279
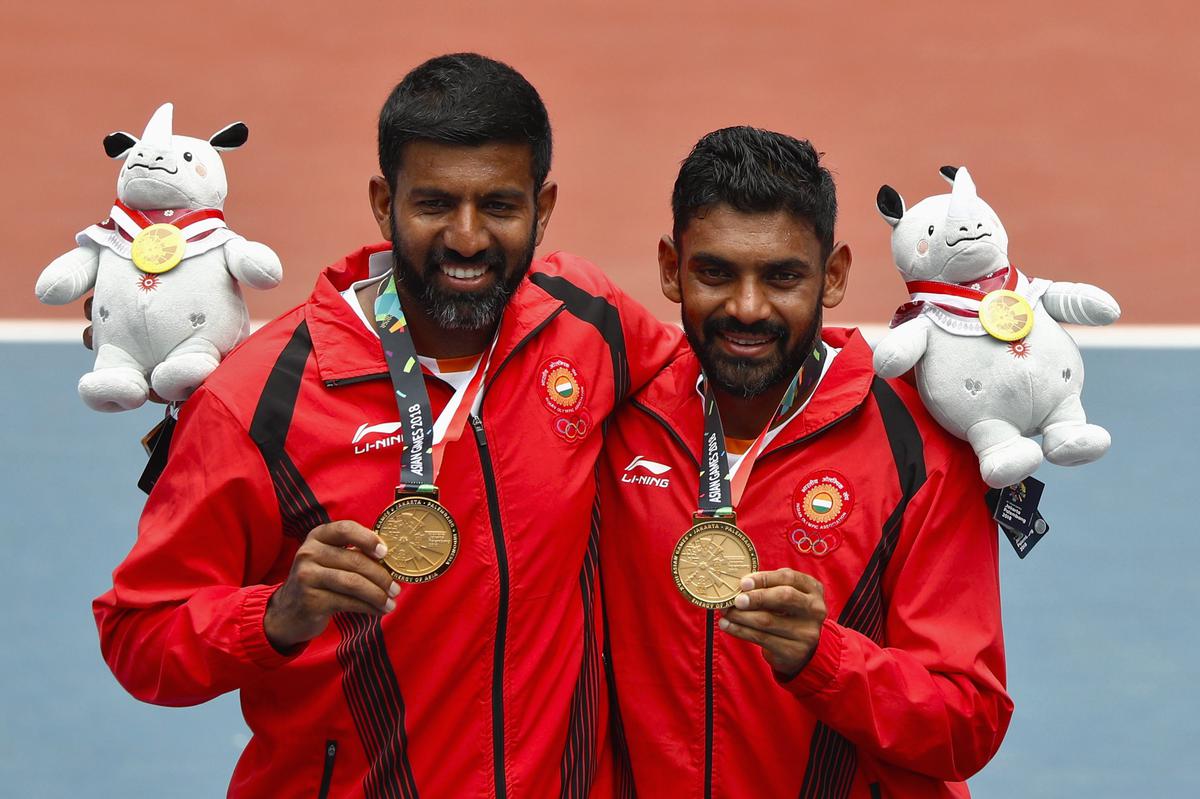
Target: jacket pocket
327,773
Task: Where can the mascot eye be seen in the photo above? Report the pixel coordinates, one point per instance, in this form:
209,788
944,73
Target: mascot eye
187,156
930,227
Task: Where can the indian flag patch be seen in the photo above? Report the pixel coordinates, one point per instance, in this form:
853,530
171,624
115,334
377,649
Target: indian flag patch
823,500
562,390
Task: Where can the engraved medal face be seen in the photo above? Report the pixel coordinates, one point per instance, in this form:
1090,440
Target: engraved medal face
421,537
710,561
1006,315
158,248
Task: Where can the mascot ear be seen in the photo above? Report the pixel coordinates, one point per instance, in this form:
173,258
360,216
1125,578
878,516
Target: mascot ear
118,143
948,172
890,204
230,136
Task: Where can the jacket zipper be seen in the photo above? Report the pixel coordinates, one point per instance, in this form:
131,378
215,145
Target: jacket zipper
348,381
327,774
710,616
709,644
489,482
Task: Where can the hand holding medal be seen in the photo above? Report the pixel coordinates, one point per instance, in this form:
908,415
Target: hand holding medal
782,611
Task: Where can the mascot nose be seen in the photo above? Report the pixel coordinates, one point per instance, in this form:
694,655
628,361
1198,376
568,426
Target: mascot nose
965,230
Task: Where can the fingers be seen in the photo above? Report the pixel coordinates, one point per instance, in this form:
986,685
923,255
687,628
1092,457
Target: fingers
87,309
350,534
341,585
751,634
784,576
87,337
783,600
353,561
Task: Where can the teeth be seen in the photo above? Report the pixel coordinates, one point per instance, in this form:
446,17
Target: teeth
744,342
463,272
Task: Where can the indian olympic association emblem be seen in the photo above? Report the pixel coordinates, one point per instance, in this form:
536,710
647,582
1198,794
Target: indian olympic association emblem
821,502
562,390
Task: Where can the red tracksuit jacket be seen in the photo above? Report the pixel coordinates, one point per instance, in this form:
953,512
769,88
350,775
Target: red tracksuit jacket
483,682
904,696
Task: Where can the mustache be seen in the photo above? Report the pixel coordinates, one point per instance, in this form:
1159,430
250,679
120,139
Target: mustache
493,258
763,328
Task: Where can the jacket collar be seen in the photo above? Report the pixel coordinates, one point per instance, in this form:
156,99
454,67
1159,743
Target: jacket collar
344,349
672,395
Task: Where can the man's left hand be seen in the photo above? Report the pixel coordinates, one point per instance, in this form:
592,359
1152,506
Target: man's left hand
781,611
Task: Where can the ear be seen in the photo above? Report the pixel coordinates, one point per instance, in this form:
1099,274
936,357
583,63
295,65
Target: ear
890,204
668,269
118,143
546,198
948,172
230,136
381,205
837,275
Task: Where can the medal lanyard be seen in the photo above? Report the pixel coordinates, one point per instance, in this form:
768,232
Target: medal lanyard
720,492
424,442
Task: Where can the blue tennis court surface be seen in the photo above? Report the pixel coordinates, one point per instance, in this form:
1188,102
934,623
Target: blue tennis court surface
1100,619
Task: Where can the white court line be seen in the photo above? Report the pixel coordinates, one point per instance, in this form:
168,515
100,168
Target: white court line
1115,337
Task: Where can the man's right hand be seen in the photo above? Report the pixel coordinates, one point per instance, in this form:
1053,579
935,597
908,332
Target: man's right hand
334,571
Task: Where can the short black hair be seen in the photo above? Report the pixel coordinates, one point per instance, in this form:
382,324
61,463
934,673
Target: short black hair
756,171
463,98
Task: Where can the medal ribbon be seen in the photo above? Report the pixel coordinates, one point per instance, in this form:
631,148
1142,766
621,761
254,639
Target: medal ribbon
190,222
425,439
720,492
961,298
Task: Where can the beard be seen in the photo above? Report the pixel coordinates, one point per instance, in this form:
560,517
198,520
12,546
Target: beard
461,310
750,377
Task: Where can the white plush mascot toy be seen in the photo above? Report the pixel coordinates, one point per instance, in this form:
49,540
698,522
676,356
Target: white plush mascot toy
165,267
993,365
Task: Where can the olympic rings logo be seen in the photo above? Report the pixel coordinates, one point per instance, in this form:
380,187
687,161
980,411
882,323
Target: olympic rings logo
807,545
572,428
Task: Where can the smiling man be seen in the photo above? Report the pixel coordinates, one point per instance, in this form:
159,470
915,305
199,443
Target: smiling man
817,614
430,416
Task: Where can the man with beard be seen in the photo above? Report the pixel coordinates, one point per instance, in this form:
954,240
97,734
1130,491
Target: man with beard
429,416
818,614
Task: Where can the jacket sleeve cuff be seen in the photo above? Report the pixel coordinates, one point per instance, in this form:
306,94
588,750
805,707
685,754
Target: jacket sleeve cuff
821,671
252,635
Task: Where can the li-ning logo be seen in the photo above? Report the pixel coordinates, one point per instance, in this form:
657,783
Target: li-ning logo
654,478
387,430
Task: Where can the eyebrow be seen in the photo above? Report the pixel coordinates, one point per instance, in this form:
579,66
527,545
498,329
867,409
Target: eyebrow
712,259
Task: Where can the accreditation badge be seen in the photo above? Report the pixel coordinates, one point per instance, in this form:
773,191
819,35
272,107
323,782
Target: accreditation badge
421,538
158,248
710,561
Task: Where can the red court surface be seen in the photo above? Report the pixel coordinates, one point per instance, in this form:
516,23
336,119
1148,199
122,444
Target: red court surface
1078,121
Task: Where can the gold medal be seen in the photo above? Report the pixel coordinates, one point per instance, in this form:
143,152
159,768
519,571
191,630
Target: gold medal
710,561
158,248
1006,315
421,537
